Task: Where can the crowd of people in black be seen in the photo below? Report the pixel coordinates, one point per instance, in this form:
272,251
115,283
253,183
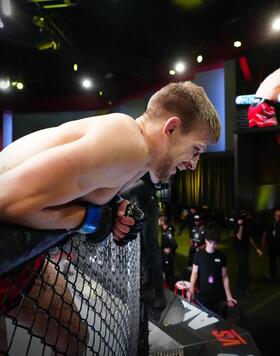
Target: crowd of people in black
206,266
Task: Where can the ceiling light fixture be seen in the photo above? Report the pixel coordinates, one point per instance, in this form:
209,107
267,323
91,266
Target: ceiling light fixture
39,21
237,44
20,85
4,84
52,44
276,24
55,4
172,72
180,67
87,83
199,58
75,67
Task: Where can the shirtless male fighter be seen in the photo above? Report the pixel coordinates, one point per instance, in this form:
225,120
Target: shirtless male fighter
50,178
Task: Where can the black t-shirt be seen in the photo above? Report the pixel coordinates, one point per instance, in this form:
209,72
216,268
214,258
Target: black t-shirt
168,239
210,272
198,236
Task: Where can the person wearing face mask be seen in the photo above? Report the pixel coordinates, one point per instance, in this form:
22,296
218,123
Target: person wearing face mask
197,237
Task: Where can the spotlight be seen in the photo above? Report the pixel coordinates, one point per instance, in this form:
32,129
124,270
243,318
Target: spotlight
20,85
4,84
237,44
87,83
100,92
172,72
276,24
75,67
180,67
199,58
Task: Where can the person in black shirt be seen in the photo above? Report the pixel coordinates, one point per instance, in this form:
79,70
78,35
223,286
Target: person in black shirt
197,237
242,239
210,271
271,238
168,248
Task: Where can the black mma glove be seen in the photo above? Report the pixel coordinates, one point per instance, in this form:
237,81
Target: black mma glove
99,221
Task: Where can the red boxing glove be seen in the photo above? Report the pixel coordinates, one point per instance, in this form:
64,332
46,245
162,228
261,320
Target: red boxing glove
262,113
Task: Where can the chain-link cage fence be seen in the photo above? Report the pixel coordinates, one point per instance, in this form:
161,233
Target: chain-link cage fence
76,299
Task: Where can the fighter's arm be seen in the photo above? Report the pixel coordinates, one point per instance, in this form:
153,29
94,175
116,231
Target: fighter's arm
231,301
270,87
193,280
37,192
32,191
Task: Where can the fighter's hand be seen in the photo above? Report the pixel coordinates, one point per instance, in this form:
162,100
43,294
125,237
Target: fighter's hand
262,113
122,223
231,302
259,252
126,236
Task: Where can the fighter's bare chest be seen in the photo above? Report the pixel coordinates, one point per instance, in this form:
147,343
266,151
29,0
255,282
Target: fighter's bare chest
100,196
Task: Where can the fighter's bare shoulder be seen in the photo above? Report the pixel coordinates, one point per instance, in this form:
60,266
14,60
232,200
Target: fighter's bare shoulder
121,135
112,151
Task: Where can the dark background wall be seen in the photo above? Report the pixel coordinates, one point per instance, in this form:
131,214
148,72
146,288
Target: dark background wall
257,169
24,124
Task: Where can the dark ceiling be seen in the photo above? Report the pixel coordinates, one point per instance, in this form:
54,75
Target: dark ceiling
125,46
